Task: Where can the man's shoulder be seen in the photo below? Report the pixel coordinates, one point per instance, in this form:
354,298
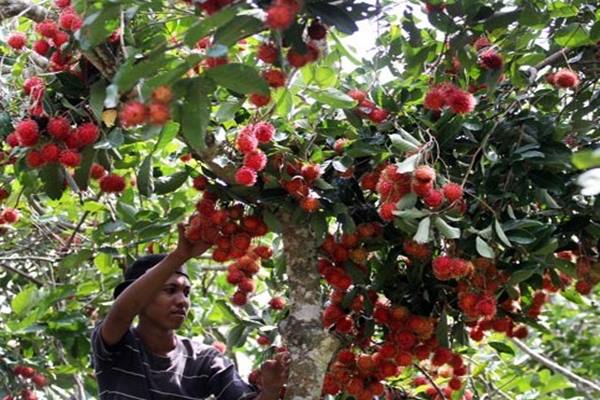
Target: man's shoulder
196,349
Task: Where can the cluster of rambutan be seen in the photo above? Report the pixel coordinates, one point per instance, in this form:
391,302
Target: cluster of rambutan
134,113
53,36
299,185
268,53
255,160
477,300
391,185
366,108
448,95
35,87
28,374
62,142
359,369
563,79
446,268
231,232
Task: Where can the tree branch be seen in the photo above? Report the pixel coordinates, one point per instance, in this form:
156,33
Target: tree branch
555,367
551,59
23,274
13,8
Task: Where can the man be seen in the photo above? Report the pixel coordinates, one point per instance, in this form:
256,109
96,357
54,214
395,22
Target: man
150,361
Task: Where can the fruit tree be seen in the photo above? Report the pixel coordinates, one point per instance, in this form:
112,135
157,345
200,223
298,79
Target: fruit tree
380,215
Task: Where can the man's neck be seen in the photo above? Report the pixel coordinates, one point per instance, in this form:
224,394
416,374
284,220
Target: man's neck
158,341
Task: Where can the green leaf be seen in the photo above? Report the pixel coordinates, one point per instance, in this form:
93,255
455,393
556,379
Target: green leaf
168,184
237,336
502,348
422,235
272,222
97,96
131,72
103,261
284,101
202,28
332,97
99,25
520,276
585,159
52,176
196,112
333,15
145,183
483,248
82,173
227,110
25,300
238,28
501,234
445,229
239,78
167,134
318,222
572,35
402,144
441,332
114,140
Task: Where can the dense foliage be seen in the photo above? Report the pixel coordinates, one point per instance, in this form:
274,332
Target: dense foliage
441,188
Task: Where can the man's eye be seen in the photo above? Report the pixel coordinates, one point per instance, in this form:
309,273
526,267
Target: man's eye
170,290
186,293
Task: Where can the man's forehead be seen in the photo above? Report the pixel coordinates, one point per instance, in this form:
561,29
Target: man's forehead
177,278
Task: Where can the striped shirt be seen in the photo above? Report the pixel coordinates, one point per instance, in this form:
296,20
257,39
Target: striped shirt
127,370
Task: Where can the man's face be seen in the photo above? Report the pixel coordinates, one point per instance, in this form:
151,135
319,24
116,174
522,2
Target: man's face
169,308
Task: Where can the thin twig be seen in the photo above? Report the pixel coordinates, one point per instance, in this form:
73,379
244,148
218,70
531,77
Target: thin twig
430,379
555,367
23,274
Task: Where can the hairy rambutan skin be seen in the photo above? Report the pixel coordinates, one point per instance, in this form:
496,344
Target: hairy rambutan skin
112,183
274,77
259,100
246,142
267,53
460,101
133,113
279,17
565,78
27,132
264,132
17,40
245,176
452,191
490,59
435,99
256,160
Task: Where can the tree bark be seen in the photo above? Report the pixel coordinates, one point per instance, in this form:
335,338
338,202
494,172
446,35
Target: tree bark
310,346
557,368
12,8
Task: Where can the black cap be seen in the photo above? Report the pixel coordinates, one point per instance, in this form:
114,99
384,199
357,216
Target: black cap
137,269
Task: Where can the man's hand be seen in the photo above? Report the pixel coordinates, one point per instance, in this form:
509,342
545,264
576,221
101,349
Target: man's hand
186,249
274,374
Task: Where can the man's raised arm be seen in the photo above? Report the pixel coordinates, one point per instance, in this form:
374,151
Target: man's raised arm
141,292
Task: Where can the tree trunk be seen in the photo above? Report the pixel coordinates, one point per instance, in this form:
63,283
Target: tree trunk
12,8
310,346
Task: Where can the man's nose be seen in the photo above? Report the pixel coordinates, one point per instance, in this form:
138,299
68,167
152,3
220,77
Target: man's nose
182,300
